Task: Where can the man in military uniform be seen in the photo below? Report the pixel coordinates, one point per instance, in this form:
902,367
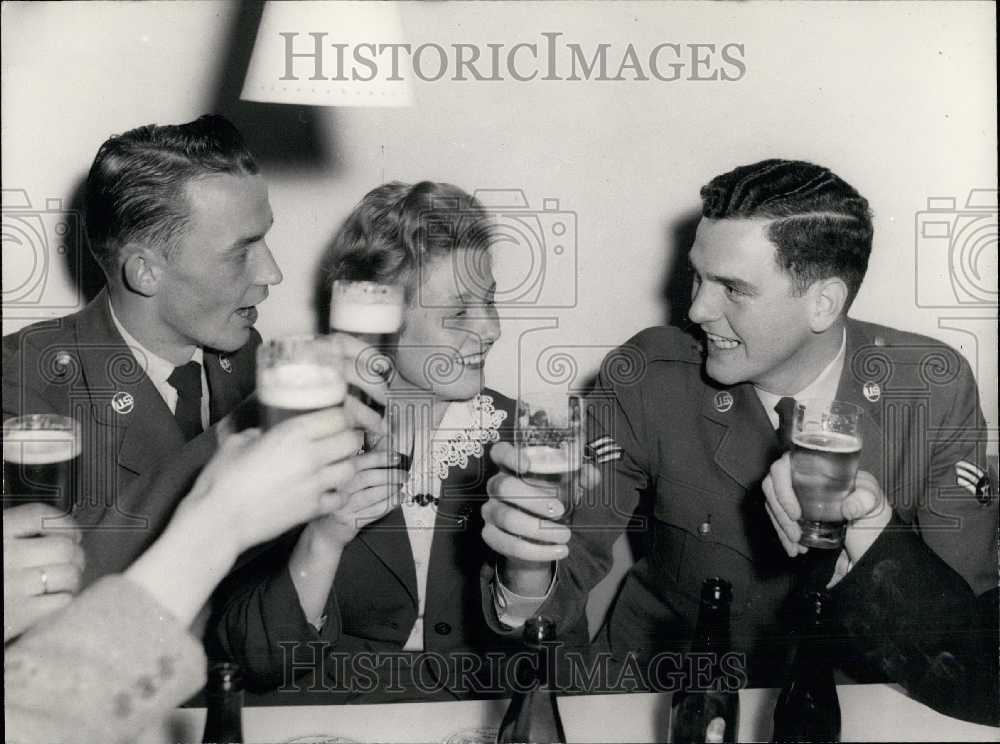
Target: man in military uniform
176,216
684,424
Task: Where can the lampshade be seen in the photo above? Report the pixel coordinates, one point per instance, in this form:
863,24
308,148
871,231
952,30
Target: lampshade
330,54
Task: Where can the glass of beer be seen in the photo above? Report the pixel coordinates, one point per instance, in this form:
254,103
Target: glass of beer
369,311
548,435
826,448
299,374
41,454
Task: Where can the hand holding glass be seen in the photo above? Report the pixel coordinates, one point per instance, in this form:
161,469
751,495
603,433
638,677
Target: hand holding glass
826,449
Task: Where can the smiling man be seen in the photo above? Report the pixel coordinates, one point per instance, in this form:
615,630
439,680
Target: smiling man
692,436
176,217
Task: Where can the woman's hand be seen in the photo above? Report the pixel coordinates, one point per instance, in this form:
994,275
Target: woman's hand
373,492
261,485
42,564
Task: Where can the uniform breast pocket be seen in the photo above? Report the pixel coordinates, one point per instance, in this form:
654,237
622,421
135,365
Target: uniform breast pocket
701,533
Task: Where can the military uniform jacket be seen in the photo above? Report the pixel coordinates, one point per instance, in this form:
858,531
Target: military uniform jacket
691,455
80,366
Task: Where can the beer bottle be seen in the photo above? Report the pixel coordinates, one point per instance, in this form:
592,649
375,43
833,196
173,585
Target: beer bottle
808,709
533,716
224,697
707,710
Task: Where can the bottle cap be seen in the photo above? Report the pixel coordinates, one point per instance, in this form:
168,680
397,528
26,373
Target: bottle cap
538,630
815,605
225,677
716,590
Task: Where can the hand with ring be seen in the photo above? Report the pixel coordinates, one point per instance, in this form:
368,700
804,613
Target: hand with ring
42,564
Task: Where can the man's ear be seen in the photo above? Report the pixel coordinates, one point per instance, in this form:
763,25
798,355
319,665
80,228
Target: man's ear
142,271
829,302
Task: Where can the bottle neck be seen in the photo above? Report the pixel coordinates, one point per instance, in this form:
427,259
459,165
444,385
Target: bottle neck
711,634
545,657
815,656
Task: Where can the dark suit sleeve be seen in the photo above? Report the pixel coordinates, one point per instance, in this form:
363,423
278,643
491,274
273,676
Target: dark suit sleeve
908,615
258,622
953,520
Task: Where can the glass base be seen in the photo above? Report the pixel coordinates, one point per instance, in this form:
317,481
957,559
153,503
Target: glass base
827,535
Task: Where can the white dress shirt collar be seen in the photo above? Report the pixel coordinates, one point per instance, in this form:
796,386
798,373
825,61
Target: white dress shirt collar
158,369
824,387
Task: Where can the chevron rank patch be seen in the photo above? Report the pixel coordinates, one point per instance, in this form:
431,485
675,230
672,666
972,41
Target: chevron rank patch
603,449
973,479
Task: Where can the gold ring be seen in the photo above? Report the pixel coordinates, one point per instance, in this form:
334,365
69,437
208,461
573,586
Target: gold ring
45,581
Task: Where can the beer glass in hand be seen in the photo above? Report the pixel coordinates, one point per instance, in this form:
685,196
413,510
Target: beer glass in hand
41,453
298,374
548,436
369,311
826,448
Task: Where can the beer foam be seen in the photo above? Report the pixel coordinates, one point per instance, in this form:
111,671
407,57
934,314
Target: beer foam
366,307
548,460
356,317
300,386
827,441
39,446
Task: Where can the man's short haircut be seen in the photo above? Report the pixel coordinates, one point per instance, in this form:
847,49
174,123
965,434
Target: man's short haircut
135,189
821,225
397,228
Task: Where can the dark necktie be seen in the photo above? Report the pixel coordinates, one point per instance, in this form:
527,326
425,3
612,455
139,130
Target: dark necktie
186,380
786,420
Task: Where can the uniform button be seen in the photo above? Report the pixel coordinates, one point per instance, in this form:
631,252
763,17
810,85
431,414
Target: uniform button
442,628
704,528
880,340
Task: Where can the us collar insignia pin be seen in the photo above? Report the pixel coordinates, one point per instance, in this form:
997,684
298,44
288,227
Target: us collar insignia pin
872,391
227,366
723,401
123,403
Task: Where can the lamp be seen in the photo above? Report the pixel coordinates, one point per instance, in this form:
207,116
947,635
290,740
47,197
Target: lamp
330,54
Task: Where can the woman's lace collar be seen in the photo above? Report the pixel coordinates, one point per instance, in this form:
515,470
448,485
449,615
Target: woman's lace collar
465,430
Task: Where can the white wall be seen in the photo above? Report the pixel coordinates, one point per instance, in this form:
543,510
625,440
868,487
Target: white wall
897,98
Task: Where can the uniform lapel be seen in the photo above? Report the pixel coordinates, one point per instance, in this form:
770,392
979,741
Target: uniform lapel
748,444
457,529
388,540
224,390
121,395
